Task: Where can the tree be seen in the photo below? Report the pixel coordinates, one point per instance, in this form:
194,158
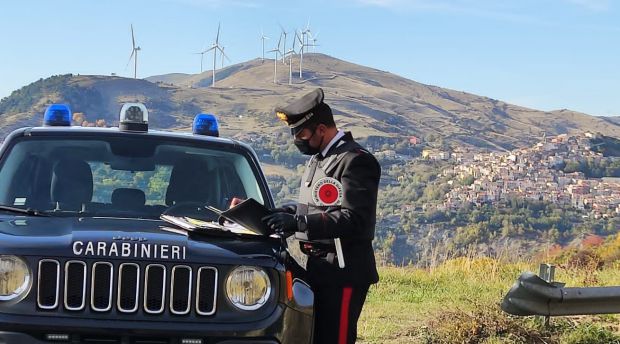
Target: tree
468,180
572,166
78,118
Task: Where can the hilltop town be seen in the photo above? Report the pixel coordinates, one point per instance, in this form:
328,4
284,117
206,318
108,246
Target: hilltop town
548,171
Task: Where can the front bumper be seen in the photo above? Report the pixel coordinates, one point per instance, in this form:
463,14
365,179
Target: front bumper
284,325
22,338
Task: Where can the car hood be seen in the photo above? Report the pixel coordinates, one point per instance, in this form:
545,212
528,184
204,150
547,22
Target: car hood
128,239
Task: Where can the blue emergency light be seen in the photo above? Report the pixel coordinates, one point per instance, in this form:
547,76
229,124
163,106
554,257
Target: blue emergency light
57,115
206,124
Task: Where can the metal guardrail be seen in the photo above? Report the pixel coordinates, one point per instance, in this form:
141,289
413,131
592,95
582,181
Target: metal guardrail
531,295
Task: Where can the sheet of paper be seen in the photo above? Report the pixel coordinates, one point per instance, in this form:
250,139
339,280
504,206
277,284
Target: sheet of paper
237,228
179,221
295,251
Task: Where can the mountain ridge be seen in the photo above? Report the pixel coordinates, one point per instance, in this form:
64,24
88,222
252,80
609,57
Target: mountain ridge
367,101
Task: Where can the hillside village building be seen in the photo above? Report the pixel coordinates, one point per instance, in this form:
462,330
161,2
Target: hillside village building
533,174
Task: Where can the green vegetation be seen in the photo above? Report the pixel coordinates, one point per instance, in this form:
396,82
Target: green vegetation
154,183
279,150
609,146
458,302
58,88
23,99
595,168
284,190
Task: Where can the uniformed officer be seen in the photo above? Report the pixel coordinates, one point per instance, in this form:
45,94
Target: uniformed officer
336,209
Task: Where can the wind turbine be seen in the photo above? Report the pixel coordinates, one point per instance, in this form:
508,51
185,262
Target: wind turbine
134,54
301,49
290,54
222,56
284,33
263,38
276,51
305,33
202,53
314,39
215,47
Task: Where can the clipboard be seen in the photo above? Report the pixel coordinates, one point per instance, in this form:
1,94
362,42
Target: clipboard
247,214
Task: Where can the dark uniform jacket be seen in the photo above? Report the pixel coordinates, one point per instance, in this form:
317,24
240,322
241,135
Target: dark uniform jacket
352,219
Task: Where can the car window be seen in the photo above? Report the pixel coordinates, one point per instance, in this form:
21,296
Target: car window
121,176
152,183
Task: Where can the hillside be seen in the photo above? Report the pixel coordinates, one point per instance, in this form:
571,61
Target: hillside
613,119
367,101
96,96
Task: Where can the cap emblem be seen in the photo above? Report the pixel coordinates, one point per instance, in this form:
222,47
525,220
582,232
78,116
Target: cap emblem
282,116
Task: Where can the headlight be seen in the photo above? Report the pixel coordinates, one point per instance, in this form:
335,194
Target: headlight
248,287
14,277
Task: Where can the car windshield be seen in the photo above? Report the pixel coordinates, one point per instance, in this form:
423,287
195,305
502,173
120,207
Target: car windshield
121,176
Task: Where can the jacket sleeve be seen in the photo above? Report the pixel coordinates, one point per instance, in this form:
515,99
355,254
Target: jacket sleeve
356,217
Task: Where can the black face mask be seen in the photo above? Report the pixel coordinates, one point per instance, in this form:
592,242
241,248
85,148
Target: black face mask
304,145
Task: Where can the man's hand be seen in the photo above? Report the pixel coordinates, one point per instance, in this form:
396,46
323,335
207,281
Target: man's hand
290,208
235,201
281,223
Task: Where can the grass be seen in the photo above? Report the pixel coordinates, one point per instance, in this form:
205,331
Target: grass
458,302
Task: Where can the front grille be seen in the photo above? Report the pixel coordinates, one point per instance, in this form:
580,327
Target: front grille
48,284
155,289
181,289
101,286
75,285
126,288
206,291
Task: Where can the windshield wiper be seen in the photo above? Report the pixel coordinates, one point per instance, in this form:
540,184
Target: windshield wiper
29,212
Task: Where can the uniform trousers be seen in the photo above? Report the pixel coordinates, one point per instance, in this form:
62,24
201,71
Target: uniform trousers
337,309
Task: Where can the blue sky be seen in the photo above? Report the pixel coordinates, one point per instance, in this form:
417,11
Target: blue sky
545,54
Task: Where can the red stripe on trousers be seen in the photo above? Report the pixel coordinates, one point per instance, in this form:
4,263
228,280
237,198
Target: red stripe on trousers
344,315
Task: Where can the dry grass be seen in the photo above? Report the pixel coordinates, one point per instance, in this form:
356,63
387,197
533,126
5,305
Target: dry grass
458,302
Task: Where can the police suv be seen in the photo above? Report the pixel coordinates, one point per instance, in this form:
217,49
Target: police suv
105,237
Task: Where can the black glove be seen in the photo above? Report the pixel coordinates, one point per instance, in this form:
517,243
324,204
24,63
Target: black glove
281,223
290,208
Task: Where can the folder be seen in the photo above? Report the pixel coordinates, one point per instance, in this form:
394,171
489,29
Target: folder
247,214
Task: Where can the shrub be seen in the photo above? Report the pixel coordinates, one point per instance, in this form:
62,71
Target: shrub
483,323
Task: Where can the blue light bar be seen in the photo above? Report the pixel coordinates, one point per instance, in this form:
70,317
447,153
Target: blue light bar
206,124
57,115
